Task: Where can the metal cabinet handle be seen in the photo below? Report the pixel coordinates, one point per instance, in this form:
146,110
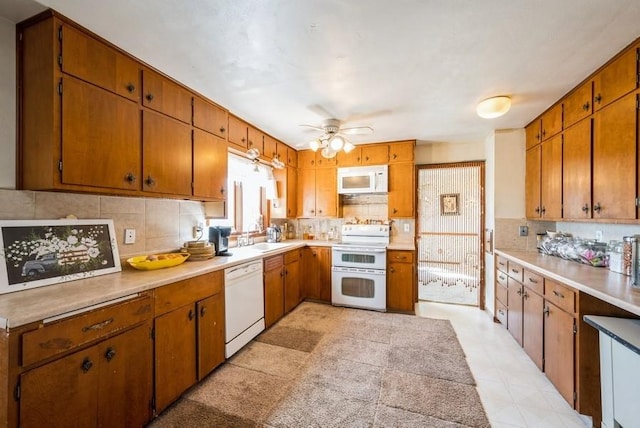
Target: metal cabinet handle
525,295
130,178
149,97
110,354
543,210
537,210
598,98
86,365
97,326
395,210
203,310
191,314
585,208
519,292
222,190
535,281
585,106
558,294
546,311
597,207
515,270
150,181
392,270
131,87
222,129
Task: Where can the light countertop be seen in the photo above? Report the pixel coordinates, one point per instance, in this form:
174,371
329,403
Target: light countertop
36,304
599,282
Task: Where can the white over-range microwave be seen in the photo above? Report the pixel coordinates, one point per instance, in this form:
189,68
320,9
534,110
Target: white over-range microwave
363,179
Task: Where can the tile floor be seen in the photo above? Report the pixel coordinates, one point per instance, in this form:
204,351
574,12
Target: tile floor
512,389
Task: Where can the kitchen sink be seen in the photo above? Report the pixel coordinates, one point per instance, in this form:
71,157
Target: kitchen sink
269,246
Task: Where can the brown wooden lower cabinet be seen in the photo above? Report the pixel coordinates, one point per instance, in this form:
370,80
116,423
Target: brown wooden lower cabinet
401,290
316,269
293,294
273,289
559,348
189,334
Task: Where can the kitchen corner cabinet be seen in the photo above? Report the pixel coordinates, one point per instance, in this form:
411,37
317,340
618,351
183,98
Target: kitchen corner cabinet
286,206
402,188
401,151
273,289
317,192
401,290
91,369
293,293
316,271
189,334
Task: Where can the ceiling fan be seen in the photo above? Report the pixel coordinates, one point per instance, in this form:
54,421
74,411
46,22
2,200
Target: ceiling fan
333,137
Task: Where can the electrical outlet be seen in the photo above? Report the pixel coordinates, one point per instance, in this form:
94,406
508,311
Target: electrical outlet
406,228
129,236
523,230
598,235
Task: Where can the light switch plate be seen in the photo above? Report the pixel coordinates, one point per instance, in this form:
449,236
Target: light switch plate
406,228
523,230
129,236
599,235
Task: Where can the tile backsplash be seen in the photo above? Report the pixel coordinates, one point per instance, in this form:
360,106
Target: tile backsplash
506,233
160,224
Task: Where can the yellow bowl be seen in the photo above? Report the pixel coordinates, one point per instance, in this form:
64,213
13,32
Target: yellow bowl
157,261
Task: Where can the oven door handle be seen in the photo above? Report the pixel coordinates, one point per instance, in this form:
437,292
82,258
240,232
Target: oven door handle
361,249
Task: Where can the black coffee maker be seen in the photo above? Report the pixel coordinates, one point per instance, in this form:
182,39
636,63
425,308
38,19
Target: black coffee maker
219,237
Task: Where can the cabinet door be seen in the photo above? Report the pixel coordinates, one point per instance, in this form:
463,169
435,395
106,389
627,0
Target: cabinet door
514,313
306,192
63,393
322,162
165,96
551,178
559,350
100,138
210,334
532,134
616,79
578,105
306,159
532,182
210,117
401,151
273,290
350,159
167,155
532,321
400,287
237,133
95,62
323,256
126,379
286,205
326,192
255,139
209,166
270,148
316,262
292,192
375,154
175,354
401,196
614,160
576,171
292,157
552,122
292,295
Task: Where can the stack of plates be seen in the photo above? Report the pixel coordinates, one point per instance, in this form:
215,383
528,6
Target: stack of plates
199,250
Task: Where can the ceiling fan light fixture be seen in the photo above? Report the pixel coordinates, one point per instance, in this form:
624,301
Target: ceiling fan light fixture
493,107
337,142
314,145
348,147
328,153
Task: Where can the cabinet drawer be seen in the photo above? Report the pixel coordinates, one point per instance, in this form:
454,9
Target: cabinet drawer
561,296
401,256
501,293
501,278
273,263
63,335
178,294
165,96
501,313
291,256
534,282
514,270
501,264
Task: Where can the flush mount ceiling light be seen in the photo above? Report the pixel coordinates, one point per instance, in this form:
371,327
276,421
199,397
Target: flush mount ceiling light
494,107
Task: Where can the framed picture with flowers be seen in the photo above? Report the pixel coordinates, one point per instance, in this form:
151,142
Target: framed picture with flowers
35,253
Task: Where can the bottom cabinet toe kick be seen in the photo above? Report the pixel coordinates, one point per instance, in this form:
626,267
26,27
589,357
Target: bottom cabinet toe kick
542,301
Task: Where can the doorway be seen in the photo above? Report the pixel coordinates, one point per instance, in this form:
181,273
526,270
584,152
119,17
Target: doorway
449,233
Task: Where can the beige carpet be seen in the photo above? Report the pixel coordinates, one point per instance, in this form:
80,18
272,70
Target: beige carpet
323,366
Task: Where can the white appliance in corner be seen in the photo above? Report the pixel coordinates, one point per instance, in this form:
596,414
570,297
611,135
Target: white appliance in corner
244,305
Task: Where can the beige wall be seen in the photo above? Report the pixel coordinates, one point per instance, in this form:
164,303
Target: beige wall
427,153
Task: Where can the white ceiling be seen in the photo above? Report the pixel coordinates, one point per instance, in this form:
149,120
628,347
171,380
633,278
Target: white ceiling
408,68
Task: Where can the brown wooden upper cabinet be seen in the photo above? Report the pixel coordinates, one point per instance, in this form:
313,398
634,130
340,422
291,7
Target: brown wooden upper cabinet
616,79
375,154
165,96
576,171
352,158
533,135
209,166
255,139
532,182
292,157
269,148
97,63
210,117
401,151
282,152
237,133
579,104
306,159
551,122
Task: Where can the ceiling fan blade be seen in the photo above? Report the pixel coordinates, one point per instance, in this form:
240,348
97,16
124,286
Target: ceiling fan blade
357,130
320,111
318,128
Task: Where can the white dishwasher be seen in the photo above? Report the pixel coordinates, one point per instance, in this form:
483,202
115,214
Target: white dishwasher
244,305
